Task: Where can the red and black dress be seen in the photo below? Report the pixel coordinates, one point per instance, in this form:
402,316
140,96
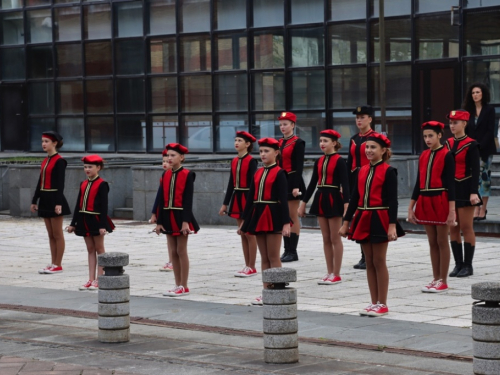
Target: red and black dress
176,203
242,171
374,204
267,208
357,157
50,187
435,186
292,162
466,153
91,210
329,175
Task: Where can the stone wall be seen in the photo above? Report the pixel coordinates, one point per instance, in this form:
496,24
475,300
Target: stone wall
4,187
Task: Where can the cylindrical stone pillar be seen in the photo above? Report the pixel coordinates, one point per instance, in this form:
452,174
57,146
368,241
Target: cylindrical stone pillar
486,328
281,344
114,297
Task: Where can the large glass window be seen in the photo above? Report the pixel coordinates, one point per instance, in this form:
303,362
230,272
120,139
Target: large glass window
68,24
226,127
398,86
129,19
99,96
130,95
308,47
268,13
40,62
74,133
308,89
269,91
307,11
12,28
97,21
348,43
37,126
162,56
165,130
41,98
436,38
196,93
230,14
131,133
11,4
196,54
231,51
70,98
269,50
231,92
69,60
397,39
129,56
487,72
161,17
480,3
427,6
35,3
98,59
308,127
12,62
348,87
482,34
66,1
195,16
40,26
197,133
164,94
266,125
341,10
391,7
101,134
345,124
399,129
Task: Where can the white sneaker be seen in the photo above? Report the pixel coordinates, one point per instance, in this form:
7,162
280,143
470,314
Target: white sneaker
258,301
367,309
42,270
168,267
426,288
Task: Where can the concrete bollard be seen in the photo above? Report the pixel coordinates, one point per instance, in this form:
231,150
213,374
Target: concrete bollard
114,297
281,344
486,328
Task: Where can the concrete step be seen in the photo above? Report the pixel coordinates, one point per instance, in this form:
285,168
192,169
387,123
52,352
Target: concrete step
124,213
129,202
5,212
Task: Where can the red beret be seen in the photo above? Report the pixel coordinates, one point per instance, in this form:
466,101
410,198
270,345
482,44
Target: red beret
164,152
432,124
381,139
330,133
246,136
177,147
269,142
52,135
92,159
288,116
458,114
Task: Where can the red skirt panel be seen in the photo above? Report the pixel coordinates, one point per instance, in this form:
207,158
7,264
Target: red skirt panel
372,226
432,210
87,225
237,204
265,218
328,202
172,222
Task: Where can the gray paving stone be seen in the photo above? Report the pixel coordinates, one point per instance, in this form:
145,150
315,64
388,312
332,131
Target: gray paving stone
114,336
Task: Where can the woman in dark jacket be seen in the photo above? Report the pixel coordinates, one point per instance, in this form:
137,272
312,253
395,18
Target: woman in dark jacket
481,127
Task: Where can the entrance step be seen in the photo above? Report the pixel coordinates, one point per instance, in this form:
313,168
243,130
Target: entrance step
129,202
124,213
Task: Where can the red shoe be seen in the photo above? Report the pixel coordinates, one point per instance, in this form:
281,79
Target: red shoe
378,310
42,270
438,287
246,272
366,310
330,280
167,267
426,288
258,301
178,291
86,286
54,269
94,285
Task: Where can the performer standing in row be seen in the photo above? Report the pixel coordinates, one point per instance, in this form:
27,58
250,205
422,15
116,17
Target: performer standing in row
175,218
90,219
243,168
49,199
374,204
266,212
292,161
365,121
466,153
329,204
434,197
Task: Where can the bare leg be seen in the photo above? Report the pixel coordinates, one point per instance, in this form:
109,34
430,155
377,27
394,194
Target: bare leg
249,245
99,247
444,252
484,207
57,232
371,274
465,216
327,243
338,247
91,249
52,240
182,253
293,206
269,248
433,250
172,246
379,261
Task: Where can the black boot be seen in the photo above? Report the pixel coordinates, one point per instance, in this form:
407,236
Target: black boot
286,242
468,256
456,249
362,263
292,254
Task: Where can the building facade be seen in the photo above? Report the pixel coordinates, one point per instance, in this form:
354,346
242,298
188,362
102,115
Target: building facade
131,76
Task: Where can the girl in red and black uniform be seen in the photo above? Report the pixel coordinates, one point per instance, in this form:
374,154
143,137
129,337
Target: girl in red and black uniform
329,205
266,212
374,204
466,152
243,168
175,218
90,219
49,199
434,196
292,161
357,157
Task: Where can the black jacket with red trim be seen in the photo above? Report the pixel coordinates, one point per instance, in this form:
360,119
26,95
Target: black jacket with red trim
52,175
92,199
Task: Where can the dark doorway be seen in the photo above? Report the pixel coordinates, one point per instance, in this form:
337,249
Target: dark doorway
14,131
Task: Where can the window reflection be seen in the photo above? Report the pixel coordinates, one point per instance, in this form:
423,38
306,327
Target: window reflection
70,97
74,133
11,4
40,62
436,38
226,127
480,3
308,47
131,133
308,127
196,54
197,132
231,92
268,13
129,56
12,63
99,96
97,21
196,93
427,6
163,56
232,52
12,28
398,40
269,91
398,86
165,129
41,98
266,125
487,72
349,87
40,26
307,11
308,90
164,94
391,7
348,43
269,51
482,33
399,127
161,17
195,15
230,14
101,134
37,126
68,24
129,19
98,59
69,60
130,95
341,10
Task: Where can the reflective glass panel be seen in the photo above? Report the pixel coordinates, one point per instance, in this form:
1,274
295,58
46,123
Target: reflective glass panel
269,50
35,3
68,24
231,92
162,56
341,10
308,47
98,59
307,11
398,86
97,21
12,62
348,87
41,98
308,89
196,54
397,39
345,124
480,3
392,8
74,133
164,94
196,94
70,97
129,56
40,26
129,19
130,95
11,4
40,62
101,134
66,1
197,133
226,127
99,96
231,51
348,43
231,14
12,28
399,129
195,15
131,133
69,60
427,6
266,125
161,17
37,126
269,91
487,72
482,33
165,130
436,38
268,13
308,127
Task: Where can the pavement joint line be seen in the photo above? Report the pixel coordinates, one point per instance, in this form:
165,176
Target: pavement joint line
240,332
